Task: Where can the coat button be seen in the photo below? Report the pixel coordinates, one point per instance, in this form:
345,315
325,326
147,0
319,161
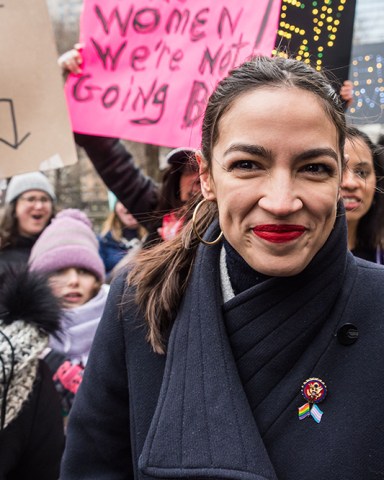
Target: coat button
347,334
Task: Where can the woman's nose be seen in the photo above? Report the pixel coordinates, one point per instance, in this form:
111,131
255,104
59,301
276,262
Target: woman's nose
38,204
349,180
280,198
73,277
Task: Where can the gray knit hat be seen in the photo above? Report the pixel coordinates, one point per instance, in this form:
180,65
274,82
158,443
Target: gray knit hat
28,181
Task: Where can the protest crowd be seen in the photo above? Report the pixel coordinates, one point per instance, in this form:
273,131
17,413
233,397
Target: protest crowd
226,322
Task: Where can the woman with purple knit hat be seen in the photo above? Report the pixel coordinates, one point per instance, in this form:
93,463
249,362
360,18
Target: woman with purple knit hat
67,252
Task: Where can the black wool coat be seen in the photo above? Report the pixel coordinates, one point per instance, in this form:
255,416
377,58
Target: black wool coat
116,166
17,255
190,414
32,445
32,442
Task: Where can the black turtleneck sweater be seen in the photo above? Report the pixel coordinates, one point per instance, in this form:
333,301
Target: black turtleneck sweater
242,276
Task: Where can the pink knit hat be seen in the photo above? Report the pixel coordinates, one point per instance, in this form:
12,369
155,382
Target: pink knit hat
68,241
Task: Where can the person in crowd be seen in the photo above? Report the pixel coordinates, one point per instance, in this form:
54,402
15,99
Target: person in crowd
72,60
346,94
67,252
362,194
159,209
29,207
120,234
31,427
250,345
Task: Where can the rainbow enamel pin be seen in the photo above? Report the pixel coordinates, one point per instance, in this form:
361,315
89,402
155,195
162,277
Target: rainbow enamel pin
314,391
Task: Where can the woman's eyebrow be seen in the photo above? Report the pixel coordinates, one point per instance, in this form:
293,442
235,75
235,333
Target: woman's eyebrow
360,163
256,150
318,152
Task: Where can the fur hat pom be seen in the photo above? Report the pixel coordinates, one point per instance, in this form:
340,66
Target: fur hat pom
75,214
26,296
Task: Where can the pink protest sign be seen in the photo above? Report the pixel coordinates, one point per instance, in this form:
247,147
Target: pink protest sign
149,66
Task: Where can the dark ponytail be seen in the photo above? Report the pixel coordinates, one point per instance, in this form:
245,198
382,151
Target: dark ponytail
161,273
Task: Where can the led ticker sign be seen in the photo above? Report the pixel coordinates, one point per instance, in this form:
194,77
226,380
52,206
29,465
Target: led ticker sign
366,74
318,32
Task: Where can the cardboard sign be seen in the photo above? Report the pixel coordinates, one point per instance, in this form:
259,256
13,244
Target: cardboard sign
35,132
149,66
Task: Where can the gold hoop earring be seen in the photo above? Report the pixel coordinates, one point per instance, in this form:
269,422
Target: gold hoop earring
205,242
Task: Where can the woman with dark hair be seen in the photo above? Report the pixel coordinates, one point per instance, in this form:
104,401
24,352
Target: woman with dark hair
29,207
233,350
362,192
158,208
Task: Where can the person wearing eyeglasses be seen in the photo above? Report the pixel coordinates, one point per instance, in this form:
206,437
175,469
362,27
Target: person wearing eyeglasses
29,207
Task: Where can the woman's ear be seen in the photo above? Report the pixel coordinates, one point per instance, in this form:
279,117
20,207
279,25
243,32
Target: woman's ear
206,180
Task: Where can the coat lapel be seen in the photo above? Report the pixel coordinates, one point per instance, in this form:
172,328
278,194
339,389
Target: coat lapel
203,426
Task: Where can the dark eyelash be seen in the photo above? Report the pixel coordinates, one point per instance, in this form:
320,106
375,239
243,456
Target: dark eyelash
241,164
363,172
319,166
329,169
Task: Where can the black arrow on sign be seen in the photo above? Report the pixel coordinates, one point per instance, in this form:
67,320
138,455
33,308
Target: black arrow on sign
15,143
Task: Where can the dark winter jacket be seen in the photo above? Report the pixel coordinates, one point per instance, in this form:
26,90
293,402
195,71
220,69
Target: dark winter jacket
372,255
115,165
152,207
112,251
31,425
223,403
18,253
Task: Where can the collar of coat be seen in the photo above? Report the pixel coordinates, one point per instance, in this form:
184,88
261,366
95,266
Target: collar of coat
203,426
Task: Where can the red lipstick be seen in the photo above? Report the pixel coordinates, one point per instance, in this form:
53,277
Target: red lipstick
276,233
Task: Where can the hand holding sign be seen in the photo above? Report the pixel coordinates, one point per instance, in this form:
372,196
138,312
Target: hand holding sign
72,60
